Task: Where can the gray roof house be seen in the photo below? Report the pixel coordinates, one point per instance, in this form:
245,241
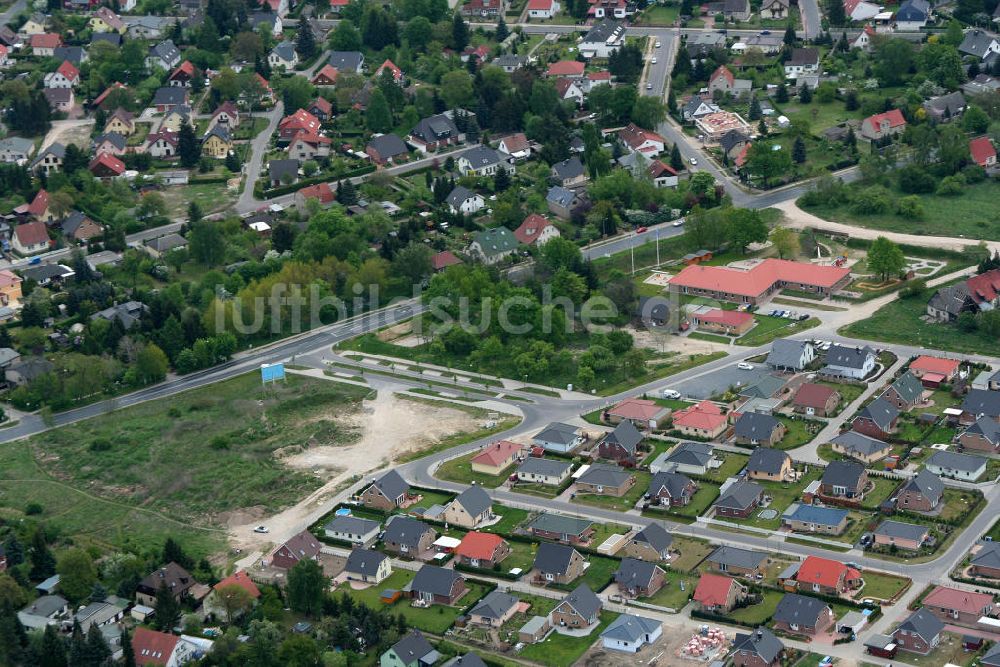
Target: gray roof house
14,149
626,436
981,402
387,146
656,536
352,529
554,559
676,485
926,484
128,314
760,643
610,476
412,650
800,610
559,437
437,581
346,61
922,623
739,499
899,530
405,531
474,500
364,561
858,445
42,611
849,361
987,556
754,427
945,107
462,199
495,605
979,43
908,388
165,243
482,160
728,559
467,660
583,601
165,55
169,96
568,172
986,428
691,457
282,172
634,574
630,632
958,466
392,485
563,202
846,474
768,386
767,461
534,465
880,412
790,355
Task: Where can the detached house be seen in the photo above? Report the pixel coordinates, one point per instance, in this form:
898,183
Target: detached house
493,610
769,465
956,606
387,493
827,577
471,509
739,500
844,479
496,457
434,133
702,420
386,148
902,535
920,493
569,173
605,480
492,245
638,140
754,428
465,201
790,355
629,633
861,447
535,230
351,529
559,437
407,536
965,467
639,578
283,55
800,614
437,585
878,419
718,594
622,444
120,122
30,238
164,55
652,543
905,393
983,436
945,108
802,63
883,125
542,9
759,648
817,400
367,566
483,161
44,45
171,576
920,633
982,151
579,609
65,76
544,471
303,546
482,550
671,489
217,142
558,563
643,413
849,362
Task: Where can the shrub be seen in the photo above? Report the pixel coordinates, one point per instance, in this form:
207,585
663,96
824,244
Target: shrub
951,186
910,207
100,445
33,509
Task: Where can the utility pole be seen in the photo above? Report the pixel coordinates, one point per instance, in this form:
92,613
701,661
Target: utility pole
657,247
631,248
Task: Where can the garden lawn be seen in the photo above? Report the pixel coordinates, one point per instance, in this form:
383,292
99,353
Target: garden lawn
671,594
460,470
429,498
768,328
511,518
948,652
732,463
800,431
881,586
561,650
692,553
883,488
171,467
759,613
701,501
958,503
624,503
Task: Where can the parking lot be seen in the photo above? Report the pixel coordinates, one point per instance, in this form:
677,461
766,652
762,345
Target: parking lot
717,382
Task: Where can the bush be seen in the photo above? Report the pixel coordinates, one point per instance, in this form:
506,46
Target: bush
910,207
951,186
33,509
100,445
915,180
872,200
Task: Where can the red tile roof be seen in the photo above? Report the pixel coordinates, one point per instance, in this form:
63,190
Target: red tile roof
31,233
894,116
516,142
241,579
39,204
985,286
107,91
635,136
658,168
45,40
481,546
9,278
151,647
713,589
760,278
109,162
705,415
728,318
322,105
603,75
928,364
68,70
185,68
724,72
636,408
444,259
397,73
825,572
320,191
300,120
532,227
982,149
565,68
813,395
957,600
497,453
327,74
310,138
539,4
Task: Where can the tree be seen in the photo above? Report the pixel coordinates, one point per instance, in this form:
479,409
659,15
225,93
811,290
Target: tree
43,563
799,150
746,227
836,15
299,651
885,258
347,194
305,41
805,94
459,33
296,92
502,32
378,116
345,37
781,95
456,89
648,111
128,656
234,600
754,112
98,652
77,574
52,652
676,161
766,163
168,609
207,244
187,146
892,60
283,237
306,588
785,241
151,364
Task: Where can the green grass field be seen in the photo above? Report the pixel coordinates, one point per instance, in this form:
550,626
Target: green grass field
768,328
460,470
561,650
883,586
173,466
625,502
758,613
692,553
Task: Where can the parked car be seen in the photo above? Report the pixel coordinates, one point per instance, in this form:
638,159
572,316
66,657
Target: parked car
744,366
671,393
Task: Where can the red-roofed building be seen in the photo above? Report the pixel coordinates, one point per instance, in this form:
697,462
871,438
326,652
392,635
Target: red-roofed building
741,159
936,370
829,577
183,75
336,6
816,399
642,141
4,51
952,605
663,175
320,192
535,230
883,125
570,69
443,260
731,322
759,282
220,601
65,76
297,122
495,457
397,74
153,648
106,166
38,209
30,238
326,76
721,79
45,44
482,550
482,8
703,420
515,145
642,412
982,151
99,100
599,78
321,108
717,593
241,579
569,89
542,9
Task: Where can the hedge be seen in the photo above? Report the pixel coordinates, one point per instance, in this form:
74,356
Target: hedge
306,182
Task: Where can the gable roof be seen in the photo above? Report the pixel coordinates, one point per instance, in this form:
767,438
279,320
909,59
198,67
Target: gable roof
894,118
31,233
798,609
811,395
364,561
601,474
494,605
740,495
530,230
848,357
656,536
153,648
242,579
756,426
388,145
807,56
922,623
552,558
303,546
435,580
634,572
405,530
982,402
583,601
787,353
412,647
459,195
675,483
760,642
691,453
758,279
981,149
908,387
495,241
843,473
630,628
823,571
497,453
881,412
626,435
926,484
713,589
767,460
736,557
987,428
474,500
479,546
863,445
569,168
352,525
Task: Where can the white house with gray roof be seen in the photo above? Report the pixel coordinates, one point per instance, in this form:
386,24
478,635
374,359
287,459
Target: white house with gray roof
629,633
352,529
536,470
849,362
367,565
790,355
690,458
483,161
559,437
464,200
965,467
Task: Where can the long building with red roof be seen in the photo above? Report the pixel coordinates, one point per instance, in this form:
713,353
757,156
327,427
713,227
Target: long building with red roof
758,283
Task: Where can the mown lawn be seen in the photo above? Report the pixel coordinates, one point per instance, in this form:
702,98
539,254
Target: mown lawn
768,328
701,501
800,431
460,470
511,518
172,466
692,553
623,503
881,586
759,613
671,594
561,650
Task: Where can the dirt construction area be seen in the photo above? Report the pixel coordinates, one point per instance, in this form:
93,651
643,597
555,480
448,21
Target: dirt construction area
390,426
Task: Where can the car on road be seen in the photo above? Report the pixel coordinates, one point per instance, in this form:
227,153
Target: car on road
657,44
803,317
678,223
652,61
693,160
649,86
765,32
261,529
640,230
744,366
671,393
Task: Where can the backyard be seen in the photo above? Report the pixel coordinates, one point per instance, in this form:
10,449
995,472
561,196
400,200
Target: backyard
623,503
460,470
562,650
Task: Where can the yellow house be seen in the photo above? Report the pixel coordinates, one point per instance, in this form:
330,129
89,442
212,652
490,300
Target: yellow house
470,509
121,122
173,119
105,20
217,142
35,25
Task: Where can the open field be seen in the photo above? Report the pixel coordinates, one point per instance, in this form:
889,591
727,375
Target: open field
182,465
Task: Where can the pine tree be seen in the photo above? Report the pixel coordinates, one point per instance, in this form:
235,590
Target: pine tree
233,162
501,180
762,128
799,150
805,94
43,563
502,31
98,651
12,547
187,146
52,652
305,41
168,609
78,654
262,67
347,194
789,35
174,553
459,33
754,112
676,161
128,656
781,95
378,116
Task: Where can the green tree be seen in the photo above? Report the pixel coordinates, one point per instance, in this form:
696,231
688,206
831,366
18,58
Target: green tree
168,609
187,146
459,33
676,161
786,242
296,93
306,588
305,41
456,89
767,164
892,61
52,652
648,112
799,150
345,37
128,656
43,563
885,258
745,227
151,364
207,244
378,116
234,600
77,574
501,32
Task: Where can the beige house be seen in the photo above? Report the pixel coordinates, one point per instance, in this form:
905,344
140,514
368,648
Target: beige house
471,509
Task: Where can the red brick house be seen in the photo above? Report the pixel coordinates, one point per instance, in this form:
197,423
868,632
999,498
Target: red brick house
952,605
816,399
717,593
828,577
920,633
878,419
482,550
